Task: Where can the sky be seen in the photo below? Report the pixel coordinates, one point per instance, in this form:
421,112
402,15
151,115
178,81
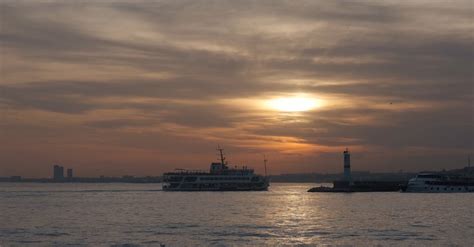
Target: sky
143,87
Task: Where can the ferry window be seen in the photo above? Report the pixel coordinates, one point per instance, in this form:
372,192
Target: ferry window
431,188
437,188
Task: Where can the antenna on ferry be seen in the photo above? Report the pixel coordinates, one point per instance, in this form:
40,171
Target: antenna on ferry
221,154
265,164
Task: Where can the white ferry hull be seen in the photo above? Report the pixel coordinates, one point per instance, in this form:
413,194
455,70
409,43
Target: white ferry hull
439,189
252,188
180,182
257,186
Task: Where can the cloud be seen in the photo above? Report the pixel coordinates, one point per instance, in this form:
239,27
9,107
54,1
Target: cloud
394,76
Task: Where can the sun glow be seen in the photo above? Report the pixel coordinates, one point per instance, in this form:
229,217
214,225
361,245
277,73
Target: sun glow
293,104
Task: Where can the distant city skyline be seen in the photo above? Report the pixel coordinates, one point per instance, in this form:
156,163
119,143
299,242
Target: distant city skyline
115,88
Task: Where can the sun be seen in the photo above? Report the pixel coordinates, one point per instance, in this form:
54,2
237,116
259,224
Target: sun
293,104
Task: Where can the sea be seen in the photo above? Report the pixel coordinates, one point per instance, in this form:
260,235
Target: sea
120,214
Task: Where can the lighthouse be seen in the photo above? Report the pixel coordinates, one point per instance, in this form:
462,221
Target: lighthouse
347,166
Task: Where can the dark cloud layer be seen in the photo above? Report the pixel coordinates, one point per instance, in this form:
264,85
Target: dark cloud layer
156,77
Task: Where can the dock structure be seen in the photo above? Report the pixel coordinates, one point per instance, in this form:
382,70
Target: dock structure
346,184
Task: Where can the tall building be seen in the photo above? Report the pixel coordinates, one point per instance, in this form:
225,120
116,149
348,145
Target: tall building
69,173
58,172
347,166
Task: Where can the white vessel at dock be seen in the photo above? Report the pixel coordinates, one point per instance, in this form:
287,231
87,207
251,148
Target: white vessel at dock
439,183
453,181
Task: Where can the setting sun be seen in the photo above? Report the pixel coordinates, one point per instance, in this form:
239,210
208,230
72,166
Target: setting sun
293,104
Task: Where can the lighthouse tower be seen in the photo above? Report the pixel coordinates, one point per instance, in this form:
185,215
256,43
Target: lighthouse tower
347,166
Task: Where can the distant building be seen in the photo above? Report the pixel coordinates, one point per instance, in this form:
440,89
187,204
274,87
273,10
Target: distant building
347,166
58,172
69,173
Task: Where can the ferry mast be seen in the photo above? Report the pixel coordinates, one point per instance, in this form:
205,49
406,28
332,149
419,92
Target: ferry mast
265,164
221,152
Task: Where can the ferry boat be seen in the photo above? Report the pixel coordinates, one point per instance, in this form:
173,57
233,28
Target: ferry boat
219,178
439,183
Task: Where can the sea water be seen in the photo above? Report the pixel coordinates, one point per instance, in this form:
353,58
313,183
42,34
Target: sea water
75,214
